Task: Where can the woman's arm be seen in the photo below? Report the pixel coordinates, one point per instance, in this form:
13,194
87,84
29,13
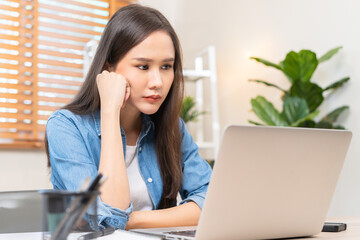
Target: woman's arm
73,151
186,214
115,191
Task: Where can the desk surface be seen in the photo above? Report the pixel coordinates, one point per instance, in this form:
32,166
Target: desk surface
352,232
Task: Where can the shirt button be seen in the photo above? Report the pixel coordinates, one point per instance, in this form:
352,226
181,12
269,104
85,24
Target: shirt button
140,149
150,180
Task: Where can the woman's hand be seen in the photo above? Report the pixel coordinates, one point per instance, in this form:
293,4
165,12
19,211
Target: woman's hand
187,214
114,90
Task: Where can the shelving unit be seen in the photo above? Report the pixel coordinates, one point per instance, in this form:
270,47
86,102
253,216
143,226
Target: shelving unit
201,76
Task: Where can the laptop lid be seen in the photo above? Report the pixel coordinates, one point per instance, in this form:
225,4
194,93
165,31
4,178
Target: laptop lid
20,211
272,182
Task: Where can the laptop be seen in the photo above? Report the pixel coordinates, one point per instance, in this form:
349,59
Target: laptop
20,211
269,182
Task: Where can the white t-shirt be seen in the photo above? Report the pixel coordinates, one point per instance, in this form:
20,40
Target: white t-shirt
139,194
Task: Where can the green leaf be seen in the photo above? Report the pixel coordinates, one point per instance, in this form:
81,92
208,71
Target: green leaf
307,124
188,113
324,124
267,112
307,118
267,84
333,116
337,84
192,117
299,66
329,54
294,109
267,63
187,104
255,123
311,92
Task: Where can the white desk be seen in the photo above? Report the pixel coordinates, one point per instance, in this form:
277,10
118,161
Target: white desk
352,232
117,235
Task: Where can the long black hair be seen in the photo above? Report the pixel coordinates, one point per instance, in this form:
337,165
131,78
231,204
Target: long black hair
128,27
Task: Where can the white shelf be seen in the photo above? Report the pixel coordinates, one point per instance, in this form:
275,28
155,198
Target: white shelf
196,74
200,75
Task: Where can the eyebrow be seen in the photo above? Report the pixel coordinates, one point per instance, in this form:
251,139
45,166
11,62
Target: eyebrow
151,60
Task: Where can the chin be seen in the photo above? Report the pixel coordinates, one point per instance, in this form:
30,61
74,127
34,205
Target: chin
149,110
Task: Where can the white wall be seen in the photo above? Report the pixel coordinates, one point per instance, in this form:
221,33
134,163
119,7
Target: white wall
23,170
269,29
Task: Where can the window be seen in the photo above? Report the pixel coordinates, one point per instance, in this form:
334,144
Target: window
42,47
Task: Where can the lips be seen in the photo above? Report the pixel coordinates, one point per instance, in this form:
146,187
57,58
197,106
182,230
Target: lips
153,98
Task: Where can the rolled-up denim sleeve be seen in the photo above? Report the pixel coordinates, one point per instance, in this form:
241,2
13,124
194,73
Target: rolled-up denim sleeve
196,171
71,163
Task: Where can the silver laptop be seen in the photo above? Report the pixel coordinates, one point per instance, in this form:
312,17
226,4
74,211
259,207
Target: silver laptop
269,182
20,211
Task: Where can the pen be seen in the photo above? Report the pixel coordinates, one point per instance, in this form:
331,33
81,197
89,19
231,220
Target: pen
97,234
76,210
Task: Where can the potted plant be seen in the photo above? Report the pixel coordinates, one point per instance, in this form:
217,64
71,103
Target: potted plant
188,112
302,100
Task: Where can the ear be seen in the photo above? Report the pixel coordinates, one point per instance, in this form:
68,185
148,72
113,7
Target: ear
108,67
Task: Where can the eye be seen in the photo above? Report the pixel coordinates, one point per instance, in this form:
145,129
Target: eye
143,67
166,67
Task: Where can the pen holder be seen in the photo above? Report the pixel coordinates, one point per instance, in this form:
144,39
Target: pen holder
65,212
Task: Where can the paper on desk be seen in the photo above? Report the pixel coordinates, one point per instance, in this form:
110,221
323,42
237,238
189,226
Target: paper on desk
128,235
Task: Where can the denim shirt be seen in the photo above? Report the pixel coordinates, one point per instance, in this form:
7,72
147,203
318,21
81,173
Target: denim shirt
74,148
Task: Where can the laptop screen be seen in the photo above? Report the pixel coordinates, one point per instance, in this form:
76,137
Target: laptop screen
20,211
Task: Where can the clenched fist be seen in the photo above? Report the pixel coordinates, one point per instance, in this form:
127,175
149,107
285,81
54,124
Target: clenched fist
113,88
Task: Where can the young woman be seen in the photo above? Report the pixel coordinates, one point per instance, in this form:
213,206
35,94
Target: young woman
124,123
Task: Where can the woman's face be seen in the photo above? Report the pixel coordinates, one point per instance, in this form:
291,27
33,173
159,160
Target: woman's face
148,67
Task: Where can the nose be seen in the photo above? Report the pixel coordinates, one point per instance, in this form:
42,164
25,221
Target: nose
155,81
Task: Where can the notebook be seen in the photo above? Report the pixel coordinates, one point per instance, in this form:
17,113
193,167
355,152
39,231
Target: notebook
269,182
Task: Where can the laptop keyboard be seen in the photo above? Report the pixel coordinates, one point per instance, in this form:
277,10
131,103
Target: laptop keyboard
186,233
